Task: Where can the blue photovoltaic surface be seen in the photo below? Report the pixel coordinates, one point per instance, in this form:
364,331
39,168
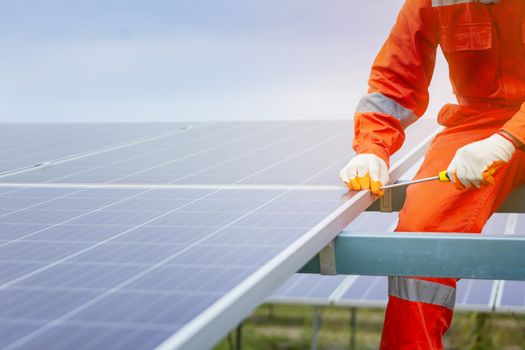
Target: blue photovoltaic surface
512,297
307,289
127,268
134,265
371,291
263,153
23,145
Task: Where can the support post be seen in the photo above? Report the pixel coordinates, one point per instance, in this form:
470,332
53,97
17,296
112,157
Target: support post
238,340
316,326
353,328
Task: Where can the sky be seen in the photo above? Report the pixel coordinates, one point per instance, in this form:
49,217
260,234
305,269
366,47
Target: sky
191,60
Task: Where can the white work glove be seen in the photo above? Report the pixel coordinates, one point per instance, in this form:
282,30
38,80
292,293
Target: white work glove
475,164
365,172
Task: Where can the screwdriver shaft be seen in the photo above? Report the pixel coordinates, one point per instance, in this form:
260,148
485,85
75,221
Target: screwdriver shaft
406,183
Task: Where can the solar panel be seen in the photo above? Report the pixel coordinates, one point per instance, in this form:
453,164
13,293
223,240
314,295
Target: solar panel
308,289
131,267
278,153
27,145
164,260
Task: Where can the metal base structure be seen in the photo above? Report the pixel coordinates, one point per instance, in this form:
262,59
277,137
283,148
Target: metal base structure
456,255
429,255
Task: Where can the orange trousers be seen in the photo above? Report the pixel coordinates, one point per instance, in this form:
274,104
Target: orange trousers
418,321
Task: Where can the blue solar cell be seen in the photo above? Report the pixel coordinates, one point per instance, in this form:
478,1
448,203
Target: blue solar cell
475,295
167,234
24,145
38,251
512,296
11,270
276,153
84,276
11,331
74,233
308,288
225,255
16,231
365,290
86,335
150,255
40,304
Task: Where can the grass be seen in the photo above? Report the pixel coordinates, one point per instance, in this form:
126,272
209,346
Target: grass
289,327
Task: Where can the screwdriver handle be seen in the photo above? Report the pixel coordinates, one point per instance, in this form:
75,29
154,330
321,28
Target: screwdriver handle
444,177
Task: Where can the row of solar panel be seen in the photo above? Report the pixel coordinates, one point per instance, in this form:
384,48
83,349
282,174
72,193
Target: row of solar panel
284,153
128,268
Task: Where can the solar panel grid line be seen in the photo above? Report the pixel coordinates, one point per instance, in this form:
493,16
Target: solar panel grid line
128,144
306,150
125,159
345,285
22,169
242,155
230,307
202,152
499,295
307,289
170,161
137,186
291,136
231,171
512,222
59,160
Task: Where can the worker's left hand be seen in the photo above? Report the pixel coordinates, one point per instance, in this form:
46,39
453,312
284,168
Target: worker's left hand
475,164
365,172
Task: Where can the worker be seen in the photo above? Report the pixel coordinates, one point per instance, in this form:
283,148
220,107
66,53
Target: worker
481,144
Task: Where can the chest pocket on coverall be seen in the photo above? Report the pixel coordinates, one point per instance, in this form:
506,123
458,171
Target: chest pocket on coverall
467,37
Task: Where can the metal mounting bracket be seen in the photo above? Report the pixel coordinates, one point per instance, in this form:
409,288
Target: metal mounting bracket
385,202
327,265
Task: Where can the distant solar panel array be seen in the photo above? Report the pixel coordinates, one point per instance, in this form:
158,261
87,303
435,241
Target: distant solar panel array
138,236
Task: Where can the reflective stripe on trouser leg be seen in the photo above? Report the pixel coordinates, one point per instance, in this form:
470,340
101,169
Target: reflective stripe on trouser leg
418,313
422,291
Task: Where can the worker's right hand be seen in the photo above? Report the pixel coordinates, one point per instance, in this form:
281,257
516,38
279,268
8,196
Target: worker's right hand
365,172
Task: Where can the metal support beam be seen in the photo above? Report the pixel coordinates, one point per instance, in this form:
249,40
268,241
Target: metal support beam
432,255
395,198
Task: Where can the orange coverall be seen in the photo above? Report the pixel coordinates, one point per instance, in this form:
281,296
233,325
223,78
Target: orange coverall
484,45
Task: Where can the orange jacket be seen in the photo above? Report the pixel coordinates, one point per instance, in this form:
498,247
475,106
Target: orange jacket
485,49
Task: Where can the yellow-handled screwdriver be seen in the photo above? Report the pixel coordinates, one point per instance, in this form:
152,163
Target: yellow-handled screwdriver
441,177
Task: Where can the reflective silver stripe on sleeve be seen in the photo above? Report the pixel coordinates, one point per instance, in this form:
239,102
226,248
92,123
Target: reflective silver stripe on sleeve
378,103
439,3
422,291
